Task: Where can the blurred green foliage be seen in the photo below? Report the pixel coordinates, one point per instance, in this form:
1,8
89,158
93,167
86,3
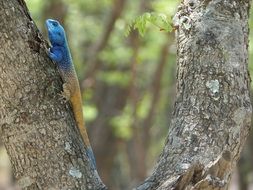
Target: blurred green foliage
85,21
121,124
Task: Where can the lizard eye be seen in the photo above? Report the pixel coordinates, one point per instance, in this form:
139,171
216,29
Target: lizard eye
54,24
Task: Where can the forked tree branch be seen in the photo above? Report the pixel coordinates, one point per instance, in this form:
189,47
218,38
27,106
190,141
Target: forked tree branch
210,122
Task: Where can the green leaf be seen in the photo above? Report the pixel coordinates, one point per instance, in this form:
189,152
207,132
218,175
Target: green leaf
160,20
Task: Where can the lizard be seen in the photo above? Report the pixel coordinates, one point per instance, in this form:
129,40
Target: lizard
60,53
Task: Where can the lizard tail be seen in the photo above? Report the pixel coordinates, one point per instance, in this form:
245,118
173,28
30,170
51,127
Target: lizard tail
76,102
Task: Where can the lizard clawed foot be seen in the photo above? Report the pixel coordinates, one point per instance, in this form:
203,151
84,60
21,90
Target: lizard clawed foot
65,94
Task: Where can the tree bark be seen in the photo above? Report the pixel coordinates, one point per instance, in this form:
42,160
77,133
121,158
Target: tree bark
37,126
212,113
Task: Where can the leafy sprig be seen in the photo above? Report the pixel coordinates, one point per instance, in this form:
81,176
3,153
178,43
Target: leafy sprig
160,20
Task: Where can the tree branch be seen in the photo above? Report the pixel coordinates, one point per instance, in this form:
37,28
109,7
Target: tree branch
37,126
212,113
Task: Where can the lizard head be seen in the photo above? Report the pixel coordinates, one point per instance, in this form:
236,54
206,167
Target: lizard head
56,33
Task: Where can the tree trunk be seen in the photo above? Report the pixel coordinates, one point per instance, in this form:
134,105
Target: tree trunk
36,124
212,113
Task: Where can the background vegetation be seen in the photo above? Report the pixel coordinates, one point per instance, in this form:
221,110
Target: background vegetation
128,83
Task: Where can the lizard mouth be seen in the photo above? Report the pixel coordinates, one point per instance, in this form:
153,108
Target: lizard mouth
48,25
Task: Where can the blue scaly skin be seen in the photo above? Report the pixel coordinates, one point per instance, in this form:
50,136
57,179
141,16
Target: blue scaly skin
59,52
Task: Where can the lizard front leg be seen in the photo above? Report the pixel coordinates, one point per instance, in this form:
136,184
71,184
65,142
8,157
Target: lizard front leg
55,54
66,93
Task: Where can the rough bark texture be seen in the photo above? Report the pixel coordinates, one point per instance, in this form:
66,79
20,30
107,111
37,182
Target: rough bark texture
212,112
36,124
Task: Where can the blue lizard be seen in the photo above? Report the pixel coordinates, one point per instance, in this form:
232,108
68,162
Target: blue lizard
60,53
